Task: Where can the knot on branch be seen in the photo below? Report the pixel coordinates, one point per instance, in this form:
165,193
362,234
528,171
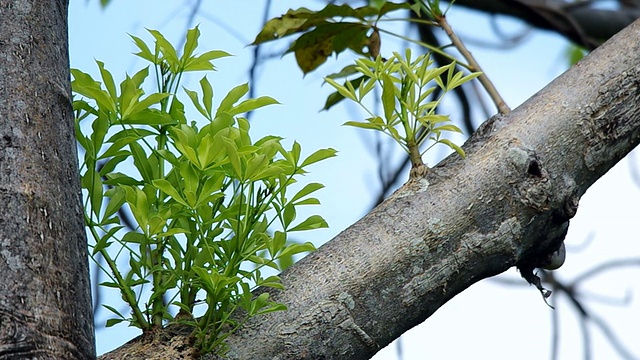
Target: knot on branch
530,182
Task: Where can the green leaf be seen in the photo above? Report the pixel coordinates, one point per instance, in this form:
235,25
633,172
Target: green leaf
295,152
168,189
271,308
302,19
134,237
109,284
139,77
295,248
314,47
176,111
185,140
113,310
459,79
116,201
190,44
137,201
575,53
346,71
129,95
144,53
447,127
191,179
375,123
100,127
108,80
149,117
288,215
272,282
141,161
121,179
169,52
455,147
145,103
258,303
312,222
291,22
84,85
207,95
336,97
93,183
255,165
234,158
342,89
252,104
111,322
388,97
306,190
232,97
104,242
116,147
111,164
193,96
308,201
277,243
319,156
204,61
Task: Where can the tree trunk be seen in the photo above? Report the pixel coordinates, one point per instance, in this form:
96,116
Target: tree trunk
45,298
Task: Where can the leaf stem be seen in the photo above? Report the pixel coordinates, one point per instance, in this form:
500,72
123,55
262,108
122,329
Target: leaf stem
431,48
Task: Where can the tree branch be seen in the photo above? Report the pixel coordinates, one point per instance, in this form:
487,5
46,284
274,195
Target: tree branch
508,202
577,21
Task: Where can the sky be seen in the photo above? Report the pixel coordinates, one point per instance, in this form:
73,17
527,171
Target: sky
490,320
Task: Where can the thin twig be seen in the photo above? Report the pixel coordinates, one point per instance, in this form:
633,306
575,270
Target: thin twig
609,265
555,332
484,80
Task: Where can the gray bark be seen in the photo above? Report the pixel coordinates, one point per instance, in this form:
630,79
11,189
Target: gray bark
45,299
506,204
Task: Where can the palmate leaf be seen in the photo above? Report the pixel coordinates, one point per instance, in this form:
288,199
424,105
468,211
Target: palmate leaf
302,19
290,23
314,47
336,97
312,222
324,32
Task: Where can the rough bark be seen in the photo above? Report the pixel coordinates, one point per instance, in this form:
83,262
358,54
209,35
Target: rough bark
508,202
45,299
578,21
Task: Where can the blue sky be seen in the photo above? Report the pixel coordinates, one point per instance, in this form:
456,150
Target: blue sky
489,320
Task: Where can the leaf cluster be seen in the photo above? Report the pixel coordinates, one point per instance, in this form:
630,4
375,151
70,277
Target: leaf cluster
212,208
409,110
330,30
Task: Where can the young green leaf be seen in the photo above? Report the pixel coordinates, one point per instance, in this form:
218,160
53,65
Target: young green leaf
312,222
232,97
168,189
207,96
306,190
319,155
388,96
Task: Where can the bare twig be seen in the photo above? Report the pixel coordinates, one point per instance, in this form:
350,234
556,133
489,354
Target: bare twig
555,332
609,265
484,80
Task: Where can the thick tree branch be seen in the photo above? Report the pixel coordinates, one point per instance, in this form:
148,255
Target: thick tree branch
578,21
507,203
